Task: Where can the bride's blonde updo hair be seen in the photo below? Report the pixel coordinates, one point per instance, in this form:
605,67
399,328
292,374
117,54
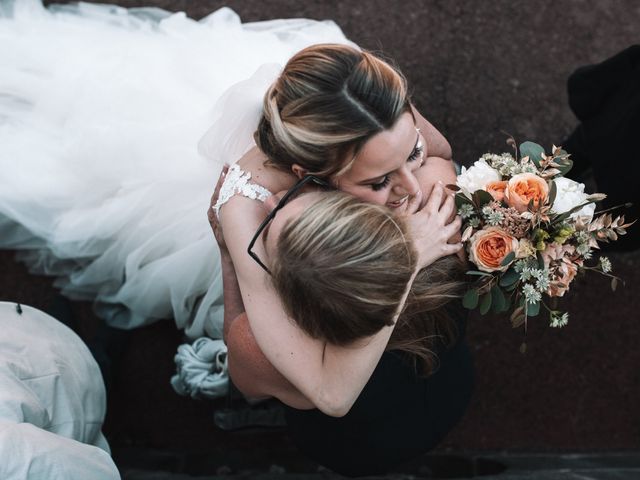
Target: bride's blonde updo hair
328,101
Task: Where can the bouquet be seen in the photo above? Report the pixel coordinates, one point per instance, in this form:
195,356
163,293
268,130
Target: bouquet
529,230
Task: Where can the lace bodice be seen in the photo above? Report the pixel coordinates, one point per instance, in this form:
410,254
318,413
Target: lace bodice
238,182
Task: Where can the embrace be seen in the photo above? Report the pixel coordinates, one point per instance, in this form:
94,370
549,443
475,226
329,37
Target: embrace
338,244
339,272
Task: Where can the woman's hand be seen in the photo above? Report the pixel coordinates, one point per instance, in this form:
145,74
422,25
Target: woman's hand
214,221
432,227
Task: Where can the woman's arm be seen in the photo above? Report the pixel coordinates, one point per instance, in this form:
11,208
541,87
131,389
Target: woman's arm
331,377
233,306
437,145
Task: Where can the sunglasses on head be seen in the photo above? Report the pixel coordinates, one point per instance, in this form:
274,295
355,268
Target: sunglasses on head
283,201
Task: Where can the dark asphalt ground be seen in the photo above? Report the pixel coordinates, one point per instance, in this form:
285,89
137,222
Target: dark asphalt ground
476,69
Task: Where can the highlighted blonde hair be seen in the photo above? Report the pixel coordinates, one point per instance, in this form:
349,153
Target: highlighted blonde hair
328,101
341,269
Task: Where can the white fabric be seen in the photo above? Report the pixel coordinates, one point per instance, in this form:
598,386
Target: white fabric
238,182
202,369
101,110
52,401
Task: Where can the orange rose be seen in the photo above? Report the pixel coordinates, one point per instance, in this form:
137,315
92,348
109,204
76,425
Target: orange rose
496,189
523,188
488,247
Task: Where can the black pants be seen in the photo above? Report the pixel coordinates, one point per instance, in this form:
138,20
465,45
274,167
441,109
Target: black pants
398,416
606,99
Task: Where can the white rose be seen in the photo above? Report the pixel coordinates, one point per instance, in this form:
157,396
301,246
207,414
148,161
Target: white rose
477,177
569,195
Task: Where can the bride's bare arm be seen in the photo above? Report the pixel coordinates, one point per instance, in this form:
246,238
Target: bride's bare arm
437,145
331,377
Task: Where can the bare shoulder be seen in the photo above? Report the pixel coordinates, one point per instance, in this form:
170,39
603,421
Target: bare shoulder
437,145
271,178
435,169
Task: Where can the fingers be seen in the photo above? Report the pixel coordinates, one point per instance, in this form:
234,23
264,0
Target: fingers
435,198
454,226
451,248
214,221
221,178
448,207
414,203
216,192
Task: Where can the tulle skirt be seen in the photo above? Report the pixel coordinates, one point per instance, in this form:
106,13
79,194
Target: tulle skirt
102,183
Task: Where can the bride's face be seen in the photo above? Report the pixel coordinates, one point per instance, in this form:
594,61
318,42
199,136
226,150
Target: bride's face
384,170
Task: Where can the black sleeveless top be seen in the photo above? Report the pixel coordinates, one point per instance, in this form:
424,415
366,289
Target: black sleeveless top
398,416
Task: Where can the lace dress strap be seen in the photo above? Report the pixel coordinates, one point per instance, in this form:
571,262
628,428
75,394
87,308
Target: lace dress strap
238,182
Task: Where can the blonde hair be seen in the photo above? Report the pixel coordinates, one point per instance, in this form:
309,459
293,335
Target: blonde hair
328,101
341,269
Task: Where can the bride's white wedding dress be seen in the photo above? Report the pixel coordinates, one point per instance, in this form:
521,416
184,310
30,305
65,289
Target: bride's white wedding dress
101,112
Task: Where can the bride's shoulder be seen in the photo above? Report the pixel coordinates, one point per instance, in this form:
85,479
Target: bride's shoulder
271,178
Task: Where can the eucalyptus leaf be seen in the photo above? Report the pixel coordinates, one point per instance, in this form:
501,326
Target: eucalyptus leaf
565,166
461,199
507,304
509,278
533,151
470,299
511,287
485,303
497,299
481,198
540,259
508,258
533,309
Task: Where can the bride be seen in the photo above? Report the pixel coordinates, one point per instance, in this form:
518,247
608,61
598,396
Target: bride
325,335
100,112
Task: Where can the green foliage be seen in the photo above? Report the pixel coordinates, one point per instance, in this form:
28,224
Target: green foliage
485,303
510,277
498,299
508,258
532,150
533,309
470,299
461,199
481,198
